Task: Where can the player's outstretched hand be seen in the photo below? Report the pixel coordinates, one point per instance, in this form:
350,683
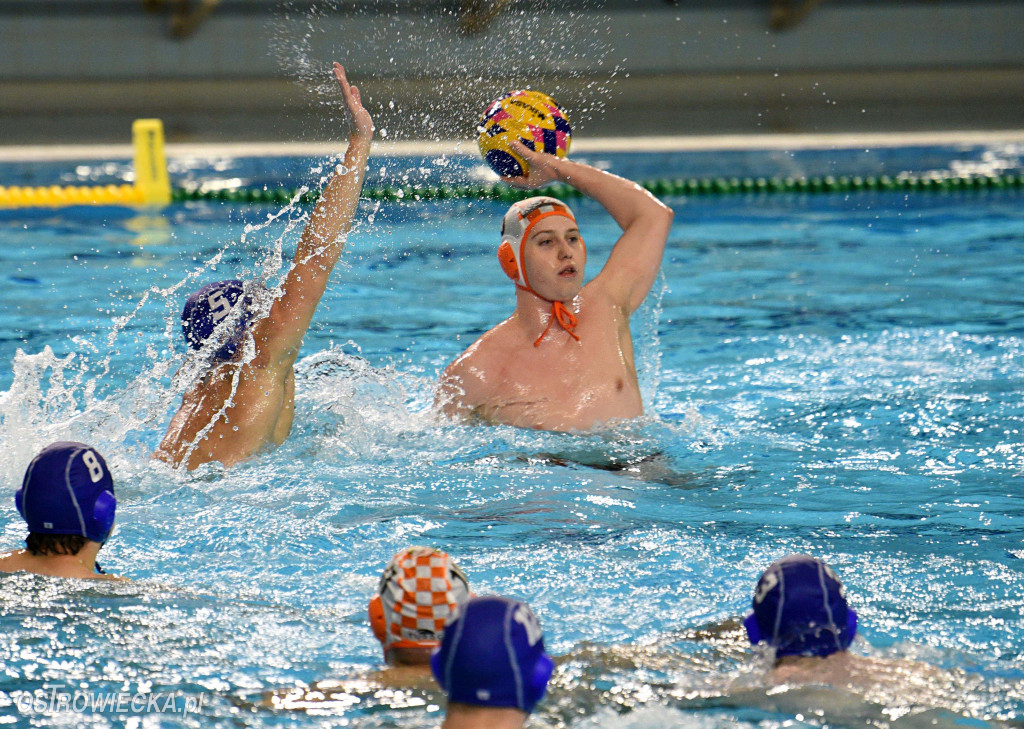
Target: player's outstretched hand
362,125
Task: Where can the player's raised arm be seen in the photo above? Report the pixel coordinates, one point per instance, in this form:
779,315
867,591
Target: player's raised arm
633,264
322,240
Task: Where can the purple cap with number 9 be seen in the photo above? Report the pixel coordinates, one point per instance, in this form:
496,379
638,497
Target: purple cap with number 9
493,655
800,608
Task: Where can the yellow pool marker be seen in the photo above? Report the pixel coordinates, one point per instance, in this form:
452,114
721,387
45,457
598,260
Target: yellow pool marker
152,185
151,178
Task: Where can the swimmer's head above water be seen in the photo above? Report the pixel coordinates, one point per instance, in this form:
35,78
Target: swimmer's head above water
420,590
800,609
516,228
493,656
207,308
66,497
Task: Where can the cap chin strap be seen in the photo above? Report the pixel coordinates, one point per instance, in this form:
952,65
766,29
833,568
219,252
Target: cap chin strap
559,312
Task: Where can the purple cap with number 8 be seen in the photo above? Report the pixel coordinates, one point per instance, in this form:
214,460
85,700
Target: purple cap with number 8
68,490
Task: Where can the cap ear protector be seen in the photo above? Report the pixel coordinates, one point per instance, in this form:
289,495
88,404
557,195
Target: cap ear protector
753,629
755,636
538,684
103,514
438,670
507,259
377,622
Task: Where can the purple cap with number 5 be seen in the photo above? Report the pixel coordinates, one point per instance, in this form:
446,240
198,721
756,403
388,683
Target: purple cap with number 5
68,490
210,306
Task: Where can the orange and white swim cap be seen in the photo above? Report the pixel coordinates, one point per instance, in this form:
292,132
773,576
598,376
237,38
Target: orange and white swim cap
420,590
516,227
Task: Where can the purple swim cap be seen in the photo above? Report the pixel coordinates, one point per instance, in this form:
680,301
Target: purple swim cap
207,308
493,655
800,609
68,490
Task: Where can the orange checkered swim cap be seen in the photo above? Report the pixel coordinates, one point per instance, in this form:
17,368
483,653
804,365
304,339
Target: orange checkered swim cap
420,591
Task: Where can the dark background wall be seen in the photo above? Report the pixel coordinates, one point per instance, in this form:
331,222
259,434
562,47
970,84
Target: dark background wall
80,70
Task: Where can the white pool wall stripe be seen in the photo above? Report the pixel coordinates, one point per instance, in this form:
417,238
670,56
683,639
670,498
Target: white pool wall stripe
38,153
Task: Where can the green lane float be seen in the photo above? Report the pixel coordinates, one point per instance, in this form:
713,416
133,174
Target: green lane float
696,187
152,186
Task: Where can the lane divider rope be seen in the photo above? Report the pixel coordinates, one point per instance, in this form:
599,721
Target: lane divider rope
662,188
152,187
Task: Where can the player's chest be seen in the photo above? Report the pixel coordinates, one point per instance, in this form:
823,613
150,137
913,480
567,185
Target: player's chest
566,371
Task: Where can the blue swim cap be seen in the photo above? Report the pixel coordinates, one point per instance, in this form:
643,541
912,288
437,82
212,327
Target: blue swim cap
68,490
800,609
493,655
207,308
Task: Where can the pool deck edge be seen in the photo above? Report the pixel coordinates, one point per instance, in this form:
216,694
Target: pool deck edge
58,152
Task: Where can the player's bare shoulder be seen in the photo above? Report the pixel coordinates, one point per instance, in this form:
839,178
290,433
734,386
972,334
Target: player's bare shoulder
474,376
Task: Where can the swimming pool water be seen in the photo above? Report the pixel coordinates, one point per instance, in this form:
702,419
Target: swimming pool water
832,374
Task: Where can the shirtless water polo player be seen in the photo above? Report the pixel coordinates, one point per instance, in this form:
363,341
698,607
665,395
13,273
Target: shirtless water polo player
564,359
67,500
239,407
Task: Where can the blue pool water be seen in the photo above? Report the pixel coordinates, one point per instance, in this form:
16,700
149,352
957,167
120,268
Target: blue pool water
832,374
